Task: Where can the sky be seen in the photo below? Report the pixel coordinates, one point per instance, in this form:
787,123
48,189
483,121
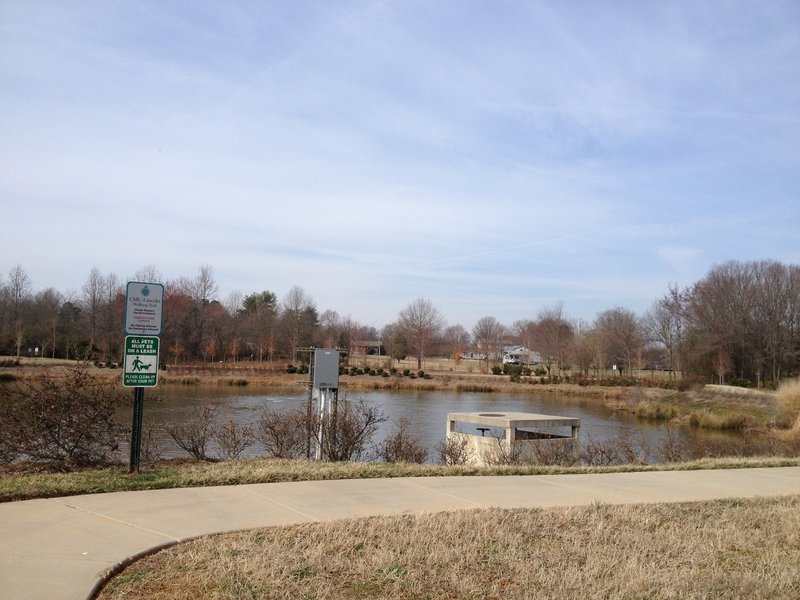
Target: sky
496,158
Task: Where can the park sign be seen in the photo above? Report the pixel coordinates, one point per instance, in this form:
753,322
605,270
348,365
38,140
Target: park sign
143,308
141,361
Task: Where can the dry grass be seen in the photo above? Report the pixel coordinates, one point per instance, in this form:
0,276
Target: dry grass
17,483
787,404
721,549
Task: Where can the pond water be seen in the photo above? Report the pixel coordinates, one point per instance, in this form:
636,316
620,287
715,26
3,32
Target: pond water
426,410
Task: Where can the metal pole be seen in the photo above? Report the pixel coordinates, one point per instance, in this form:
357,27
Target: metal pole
136,429
321,431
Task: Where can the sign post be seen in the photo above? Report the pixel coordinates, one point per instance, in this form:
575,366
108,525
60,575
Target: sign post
143,323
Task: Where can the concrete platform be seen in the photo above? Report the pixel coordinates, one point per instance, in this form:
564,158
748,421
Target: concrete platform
61,548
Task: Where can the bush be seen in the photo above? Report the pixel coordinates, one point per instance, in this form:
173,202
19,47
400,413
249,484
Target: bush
7,377
399,446
67,420
497,369
539,371
233,439
194,434
283,434
454,450
406,372
291,369
347,431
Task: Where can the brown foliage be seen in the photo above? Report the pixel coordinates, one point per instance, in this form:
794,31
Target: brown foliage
68,420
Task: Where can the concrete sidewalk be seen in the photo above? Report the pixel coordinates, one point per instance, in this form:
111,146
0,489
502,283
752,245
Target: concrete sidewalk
62,547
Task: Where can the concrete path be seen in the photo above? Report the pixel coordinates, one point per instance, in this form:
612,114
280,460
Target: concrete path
63,547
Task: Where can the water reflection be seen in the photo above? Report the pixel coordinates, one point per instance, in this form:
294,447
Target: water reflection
426,410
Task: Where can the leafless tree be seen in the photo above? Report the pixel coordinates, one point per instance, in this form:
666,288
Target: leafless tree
620,336
487,335
665,324
421,322
456,341
584,346
552,336
18,292
299,318
200,290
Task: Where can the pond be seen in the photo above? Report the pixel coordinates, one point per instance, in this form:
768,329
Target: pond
426,410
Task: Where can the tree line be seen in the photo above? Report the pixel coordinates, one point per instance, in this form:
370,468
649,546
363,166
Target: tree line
740,323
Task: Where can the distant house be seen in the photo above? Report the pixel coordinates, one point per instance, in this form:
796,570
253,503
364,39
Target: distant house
520,355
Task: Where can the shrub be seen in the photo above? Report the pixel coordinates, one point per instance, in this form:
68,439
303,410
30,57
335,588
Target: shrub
347,431
194,433
626,448
151,444
233,439
291,369
497,369
454,450
7,377
379,371
406,372
421,373
68,420
283,434
539,370
400,446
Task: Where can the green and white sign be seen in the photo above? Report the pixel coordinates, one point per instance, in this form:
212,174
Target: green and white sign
141,361
143,308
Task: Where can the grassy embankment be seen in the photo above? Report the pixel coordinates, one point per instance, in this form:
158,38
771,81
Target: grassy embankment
22,485
720,549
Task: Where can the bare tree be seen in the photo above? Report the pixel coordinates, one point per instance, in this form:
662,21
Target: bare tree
148,274
486,335
299,318
552,336
620,336
18,291
91,302
456,340
201,290
665,324
585,346
421,321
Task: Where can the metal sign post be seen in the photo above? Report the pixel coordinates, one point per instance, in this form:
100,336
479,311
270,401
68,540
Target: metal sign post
325,386
143,324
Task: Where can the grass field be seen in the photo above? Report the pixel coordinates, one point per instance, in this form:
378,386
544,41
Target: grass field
722,549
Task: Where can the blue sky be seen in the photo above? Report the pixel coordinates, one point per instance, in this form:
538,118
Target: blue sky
494,157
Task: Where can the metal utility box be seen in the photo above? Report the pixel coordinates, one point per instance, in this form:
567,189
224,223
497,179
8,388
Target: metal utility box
326,369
